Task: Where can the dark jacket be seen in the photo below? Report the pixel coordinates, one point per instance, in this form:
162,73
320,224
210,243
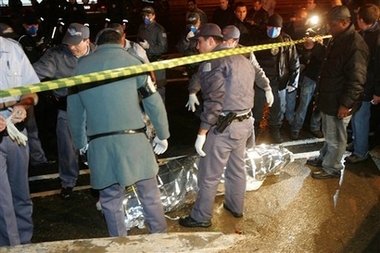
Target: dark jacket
222,17
343,72
245,32
281,65
260,17
372,86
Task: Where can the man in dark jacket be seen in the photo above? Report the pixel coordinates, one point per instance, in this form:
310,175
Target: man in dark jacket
223,14
257,17
152,37
340,88
369,28
281,66
238,20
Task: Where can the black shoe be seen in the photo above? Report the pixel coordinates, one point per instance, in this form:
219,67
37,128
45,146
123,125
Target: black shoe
355,159
317,133
66,192
321,174
294,135
275,136
187,221
43,165
350,147
236,215
314,162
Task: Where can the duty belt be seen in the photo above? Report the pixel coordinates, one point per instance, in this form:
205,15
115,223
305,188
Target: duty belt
237,118
128,131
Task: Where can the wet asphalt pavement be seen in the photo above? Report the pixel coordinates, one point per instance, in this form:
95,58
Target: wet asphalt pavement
291,212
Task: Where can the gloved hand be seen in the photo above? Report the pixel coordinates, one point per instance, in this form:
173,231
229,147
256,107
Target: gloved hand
189,35
201,139
290,88
144,44
269,97
83,154
193,100
14,133
41,41
160,146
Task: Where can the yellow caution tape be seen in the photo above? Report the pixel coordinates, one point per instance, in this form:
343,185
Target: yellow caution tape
139,69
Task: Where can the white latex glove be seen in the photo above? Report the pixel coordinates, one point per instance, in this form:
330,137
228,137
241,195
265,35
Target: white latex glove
144,44
269,97
290,88
193,100
201,139
189,35
14,133
160,146
83,154
40,41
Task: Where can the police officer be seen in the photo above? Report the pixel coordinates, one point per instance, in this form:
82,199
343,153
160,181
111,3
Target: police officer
152,37
227,86
59,62
119,153
187,46
16,225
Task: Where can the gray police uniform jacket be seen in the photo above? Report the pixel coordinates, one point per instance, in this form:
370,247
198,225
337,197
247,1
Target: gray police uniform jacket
57,62
227,86
123,158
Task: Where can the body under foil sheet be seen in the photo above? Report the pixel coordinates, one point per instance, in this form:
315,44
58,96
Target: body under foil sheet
177,179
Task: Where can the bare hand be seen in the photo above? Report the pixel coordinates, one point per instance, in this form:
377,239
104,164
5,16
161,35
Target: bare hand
376,99
18,114
343,112
3,123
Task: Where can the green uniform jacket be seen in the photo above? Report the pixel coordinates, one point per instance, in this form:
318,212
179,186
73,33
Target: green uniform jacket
124,158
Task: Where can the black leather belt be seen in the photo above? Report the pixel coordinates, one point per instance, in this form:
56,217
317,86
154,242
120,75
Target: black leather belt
128,131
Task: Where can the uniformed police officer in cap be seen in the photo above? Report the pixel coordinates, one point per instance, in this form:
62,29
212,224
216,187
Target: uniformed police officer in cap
226,125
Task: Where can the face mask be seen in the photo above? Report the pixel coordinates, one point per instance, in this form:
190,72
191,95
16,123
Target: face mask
274,32
32,30
147,21
232,45
193,29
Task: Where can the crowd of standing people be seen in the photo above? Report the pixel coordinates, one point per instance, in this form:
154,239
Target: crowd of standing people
230,95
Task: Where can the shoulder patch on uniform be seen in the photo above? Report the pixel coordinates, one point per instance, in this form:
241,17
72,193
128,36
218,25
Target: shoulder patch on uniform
206,67
164,35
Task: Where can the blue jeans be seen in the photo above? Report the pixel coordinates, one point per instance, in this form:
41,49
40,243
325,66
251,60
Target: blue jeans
290,106
360,129
335,132
277,110
307,91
